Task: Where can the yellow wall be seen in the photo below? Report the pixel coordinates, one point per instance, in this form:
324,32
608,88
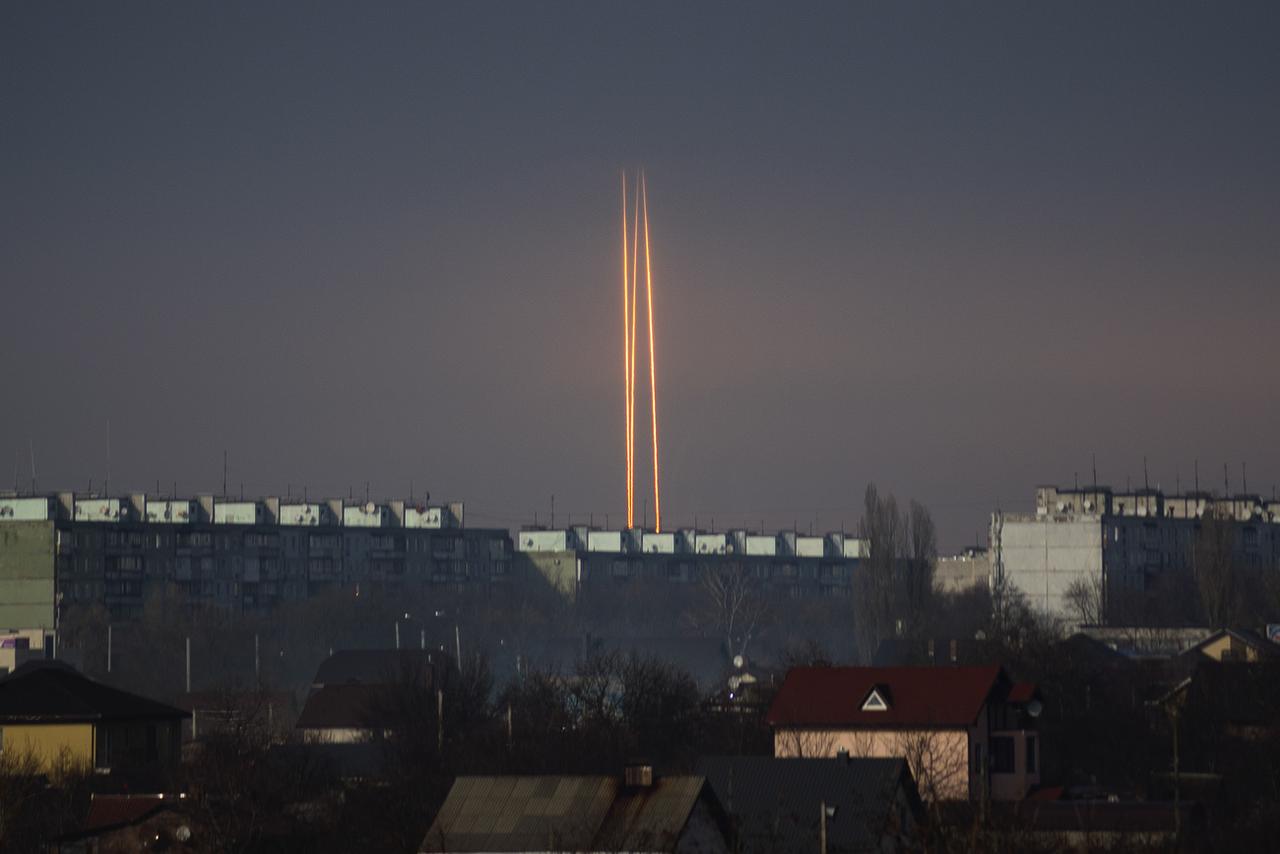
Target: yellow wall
1219,648
47,742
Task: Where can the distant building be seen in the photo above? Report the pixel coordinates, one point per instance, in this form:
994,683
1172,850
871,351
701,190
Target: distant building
638,812
969,570
968,732
786,563
55,714
242,555
1119,548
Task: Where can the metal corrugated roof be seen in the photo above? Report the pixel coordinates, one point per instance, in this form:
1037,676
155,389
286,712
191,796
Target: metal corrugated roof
499,814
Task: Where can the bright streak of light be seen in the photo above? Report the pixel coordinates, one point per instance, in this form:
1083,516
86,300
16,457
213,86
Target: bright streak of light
626,348
653,375
635,313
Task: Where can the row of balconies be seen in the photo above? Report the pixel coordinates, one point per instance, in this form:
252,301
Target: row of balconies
692,542
209,509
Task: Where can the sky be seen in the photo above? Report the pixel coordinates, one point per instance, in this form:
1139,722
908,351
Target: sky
954,249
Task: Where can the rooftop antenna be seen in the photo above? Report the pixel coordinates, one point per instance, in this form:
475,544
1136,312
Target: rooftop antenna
106,486
1146,482
17,482
1094,458
1177,481
1244,479
224,472
1197,475
410,490
1226,481
553,511
31,446
1076,476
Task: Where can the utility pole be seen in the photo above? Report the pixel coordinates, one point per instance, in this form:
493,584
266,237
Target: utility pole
188,664
439,721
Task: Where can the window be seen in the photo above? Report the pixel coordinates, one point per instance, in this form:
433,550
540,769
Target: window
1031,754
1002,754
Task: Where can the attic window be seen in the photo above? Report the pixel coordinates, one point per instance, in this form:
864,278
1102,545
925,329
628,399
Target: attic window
877,700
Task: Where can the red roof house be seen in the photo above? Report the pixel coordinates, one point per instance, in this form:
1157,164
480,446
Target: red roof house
965,731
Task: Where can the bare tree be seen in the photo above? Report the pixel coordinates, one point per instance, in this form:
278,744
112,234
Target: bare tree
1084,597
735,604
1216,571
800,743
916,583
881,529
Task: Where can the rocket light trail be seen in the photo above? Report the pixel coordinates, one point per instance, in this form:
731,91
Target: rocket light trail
653,376
631,391
626,349
630,335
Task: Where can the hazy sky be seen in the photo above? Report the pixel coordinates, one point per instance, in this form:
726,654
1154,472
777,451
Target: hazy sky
952,248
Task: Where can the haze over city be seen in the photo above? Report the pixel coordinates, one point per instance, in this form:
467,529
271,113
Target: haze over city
954,252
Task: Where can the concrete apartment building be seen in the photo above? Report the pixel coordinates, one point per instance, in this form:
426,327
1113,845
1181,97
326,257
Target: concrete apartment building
786,563
1124,543
244,555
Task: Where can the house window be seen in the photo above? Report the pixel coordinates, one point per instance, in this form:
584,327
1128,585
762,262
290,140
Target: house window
1031,754
1002,754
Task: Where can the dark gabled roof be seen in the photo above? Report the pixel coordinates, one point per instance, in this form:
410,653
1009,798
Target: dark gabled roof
54,692
375,666
773,803
1264,647
350,706
930,697
509,814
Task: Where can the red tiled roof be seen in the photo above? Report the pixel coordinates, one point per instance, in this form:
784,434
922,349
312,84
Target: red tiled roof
918,696
1022,692
111,811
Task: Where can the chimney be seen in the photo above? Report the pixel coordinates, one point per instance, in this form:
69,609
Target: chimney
638,776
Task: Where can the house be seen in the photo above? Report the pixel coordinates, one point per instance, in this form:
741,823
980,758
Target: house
637,812
57,715
128,823
352,687
778,805
1233,645
341,714
967,732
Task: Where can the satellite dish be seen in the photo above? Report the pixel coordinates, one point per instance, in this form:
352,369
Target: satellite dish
739,662
368,508
1034,708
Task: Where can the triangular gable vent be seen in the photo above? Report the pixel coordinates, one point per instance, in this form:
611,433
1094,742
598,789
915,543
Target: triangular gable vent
877,701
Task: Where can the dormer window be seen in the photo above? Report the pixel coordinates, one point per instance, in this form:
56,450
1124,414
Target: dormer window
877,700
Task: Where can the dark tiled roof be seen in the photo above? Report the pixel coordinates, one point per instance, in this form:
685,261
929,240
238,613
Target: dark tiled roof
108,812
375,666
351,706
501,814
921,696
774,802
50,691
